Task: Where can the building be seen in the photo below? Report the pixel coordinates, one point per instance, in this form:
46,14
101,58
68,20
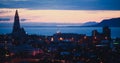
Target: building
67,37
102,39
106,32
17,31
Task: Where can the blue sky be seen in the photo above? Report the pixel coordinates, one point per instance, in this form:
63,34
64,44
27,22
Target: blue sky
62,4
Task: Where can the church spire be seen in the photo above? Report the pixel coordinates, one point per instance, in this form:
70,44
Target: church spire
16,13
17,32
16,26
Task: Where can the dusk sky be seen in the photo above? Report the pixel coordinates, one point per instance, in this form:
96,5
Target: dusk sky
59,11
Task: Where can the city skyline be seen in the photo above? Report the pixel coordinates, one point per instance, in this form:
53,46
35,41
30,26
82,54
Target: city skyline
19,46
59,31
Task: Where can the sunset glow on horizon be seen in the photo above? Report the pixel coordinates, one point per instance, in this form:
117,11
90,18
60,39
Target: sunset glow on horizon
59,16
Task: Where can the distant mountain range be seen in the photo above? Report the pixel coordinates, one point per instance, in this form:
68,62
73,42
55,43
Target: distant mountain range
89,23
114,22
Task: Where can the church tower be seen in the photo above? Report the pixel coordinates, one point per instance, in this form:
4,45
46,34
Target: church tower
17,31
16,26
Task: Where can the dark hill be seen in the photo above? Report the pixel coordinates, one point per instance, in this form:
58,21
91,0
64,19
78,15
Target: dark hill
114,22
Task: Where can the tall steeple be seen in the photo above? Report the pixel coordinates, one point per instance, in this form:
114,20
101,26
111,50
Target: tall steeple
17,31
16,26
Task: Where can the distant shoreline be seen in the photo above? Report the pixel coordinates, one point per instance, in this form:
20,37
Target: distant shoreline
58,26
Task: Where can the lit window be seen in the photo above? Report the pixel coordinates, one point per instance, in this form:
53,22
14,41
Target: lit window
61,38
52,39
106,38
85,37
95,37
